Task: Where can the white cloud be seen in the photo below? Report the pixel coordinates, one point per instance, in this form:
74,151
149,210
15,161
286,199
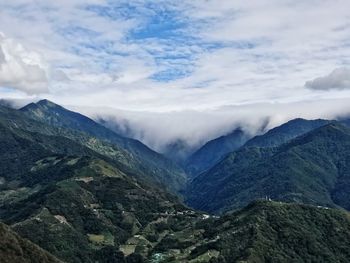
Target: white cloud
21,69
338,79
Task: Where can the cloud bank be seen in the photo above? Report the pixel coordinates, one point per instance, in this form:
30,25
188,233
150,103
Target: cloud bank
338,79
195,128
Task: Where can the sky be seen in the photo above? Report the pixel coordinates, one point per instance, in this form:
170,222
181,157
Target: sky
190,69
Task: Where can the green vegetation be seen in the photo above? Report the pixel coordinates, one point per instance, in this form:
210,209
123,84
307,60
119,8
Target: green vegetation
262,232
15,249
90,206
313,168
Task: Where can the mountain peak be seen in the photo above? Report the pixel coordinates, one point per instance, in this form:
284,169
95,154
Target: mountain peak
47,103
40,104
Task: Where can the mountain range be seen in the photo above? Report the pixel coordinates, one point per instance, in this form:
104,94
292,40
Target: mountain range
71,190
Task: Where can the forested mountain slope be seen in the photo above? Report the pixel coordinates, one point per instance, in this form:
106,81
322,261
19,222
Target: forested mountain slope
313,168
169,175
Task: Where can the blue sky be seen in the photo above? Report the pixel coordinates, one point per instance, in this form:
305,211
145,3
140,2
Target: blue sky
260,51
165,56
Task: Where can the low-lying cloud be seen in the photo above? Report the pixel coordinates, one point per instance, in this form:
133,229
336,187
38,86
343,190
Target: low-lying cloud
338,79
195,128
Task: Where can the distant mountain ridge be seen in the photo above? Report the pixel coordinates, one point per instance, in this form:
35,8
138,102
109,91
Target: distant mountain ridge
285,132
214,150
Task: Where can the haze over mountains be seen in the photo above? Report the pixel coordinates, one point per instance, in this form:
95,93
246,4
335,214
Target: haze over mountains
189,130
